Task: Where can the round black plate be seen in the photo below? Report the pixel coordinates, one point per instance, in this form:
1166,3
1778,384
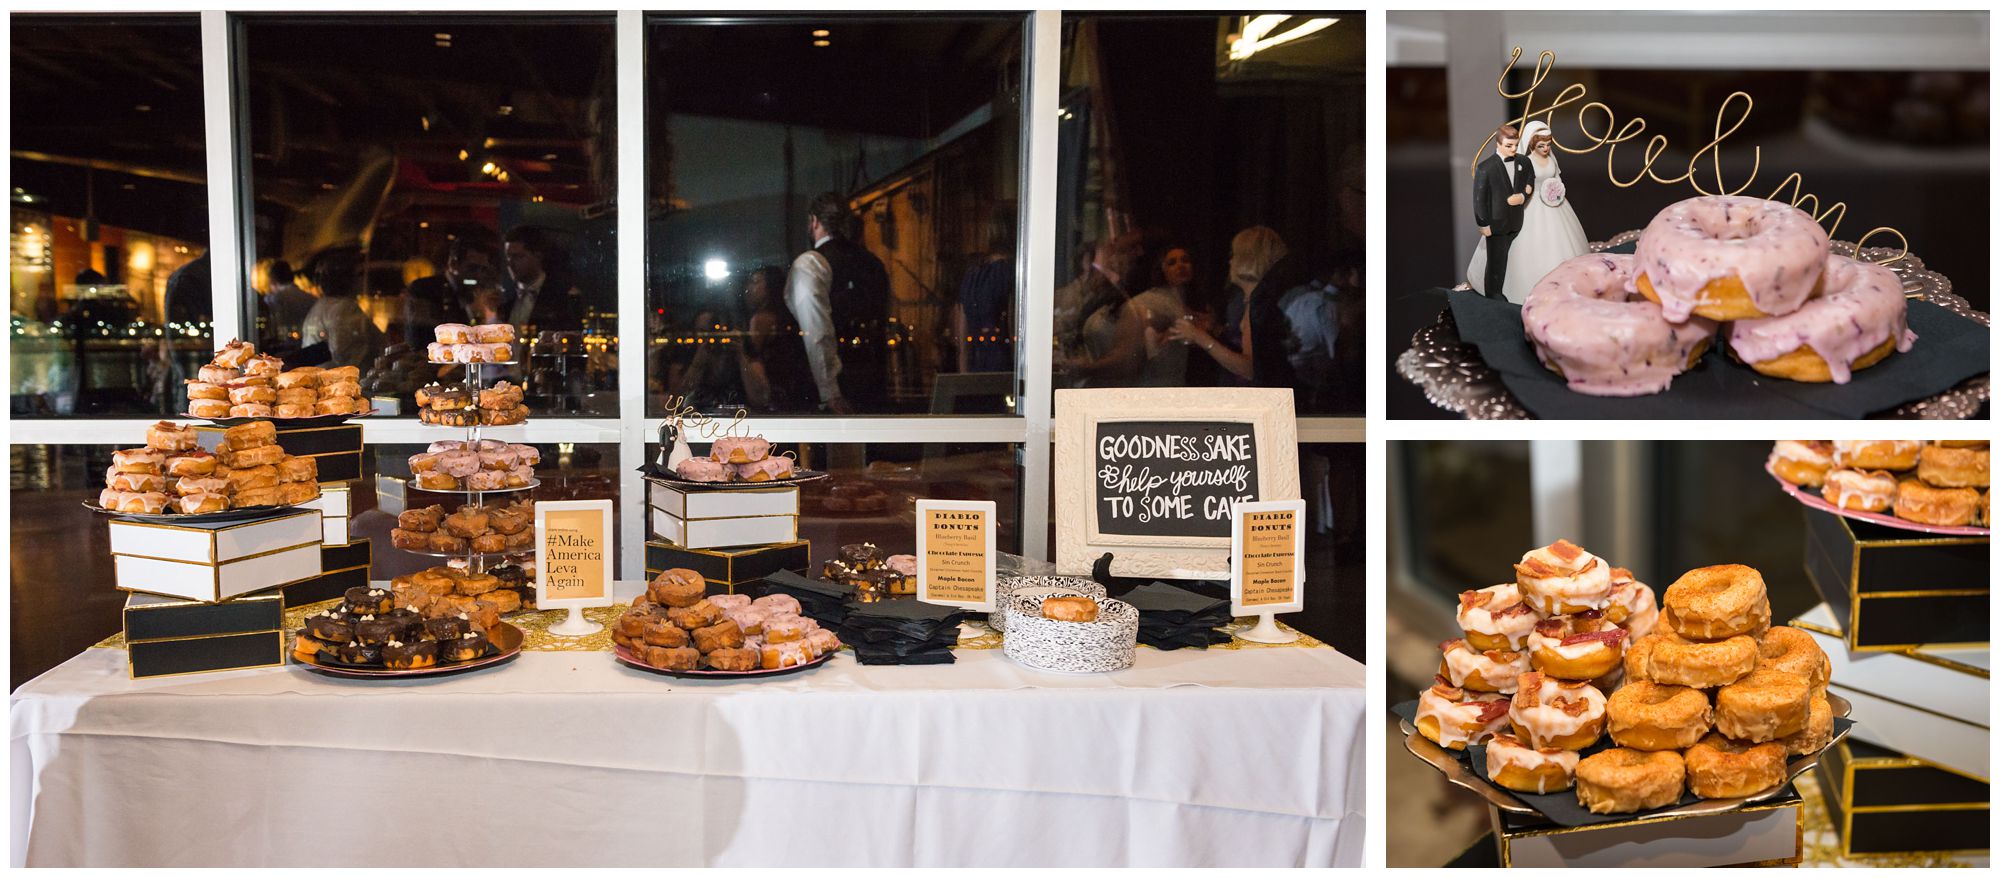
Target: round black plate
247,513
506,644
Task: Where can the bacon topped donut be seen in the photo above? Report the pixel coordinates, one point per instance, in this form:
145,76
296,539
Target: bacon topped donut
1580,647
1562,578
1493,670
1632,605
1496,617
1563,714
1455,718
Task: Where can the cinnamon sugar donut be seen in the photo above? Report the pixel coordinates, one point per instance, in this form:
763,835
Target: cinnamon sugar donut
1562,578
1717,602
1795,652
1860,491
1632,605
1857,319
1512,764
1588,326
1948,507
1496,617
1636,656
1493,670
1949,467
1719,768
1817,732
1580,647
1454,718
1763,706
1563,714
1652,716
1621,781
1730,257
1678,662
1875,454
1802,463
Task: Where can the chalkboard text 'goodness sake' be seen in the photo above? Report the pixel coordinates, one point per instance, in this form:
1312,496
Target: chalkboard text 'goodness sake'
1172,478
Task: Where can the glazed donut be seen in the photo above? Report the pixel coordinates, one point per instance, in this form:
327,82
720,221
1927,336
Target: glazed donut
1562,578
1985,513
192,463
453,333
234,354
136,460
1876,454
1493,670
1802,463
141,482
250,478
208,408
200,502
1717,603
1580,647
1454,718
1729,257
1632,605
492,333
149,502
1651,716
244,458
1516,766
1564,714
1495,617
1924,504
297,379
1719,768
186,485
1859,490
1764,706
250,410
1817,732
1943,466
218,375
1674,661
332,389
204,390
1855,321
284,410
678,587
1788,649
1621,781
169,436
739,449
249,435
1589,327
263,366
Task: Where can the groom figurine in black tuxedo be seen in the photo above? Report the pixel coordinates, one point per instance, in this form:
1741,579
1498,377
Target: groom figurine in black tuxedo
1499,197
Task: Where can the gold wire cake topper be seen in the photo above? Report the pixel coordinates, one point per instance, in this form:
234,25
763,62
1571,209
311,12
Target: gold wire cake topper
688,418
1657,144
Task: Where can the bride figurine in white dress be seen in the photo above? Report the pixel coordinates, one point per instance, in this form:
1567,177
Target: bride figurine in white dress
1549,233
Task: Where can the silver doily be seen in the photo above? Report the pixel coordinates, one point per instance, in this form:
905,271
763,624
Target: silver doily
1454,378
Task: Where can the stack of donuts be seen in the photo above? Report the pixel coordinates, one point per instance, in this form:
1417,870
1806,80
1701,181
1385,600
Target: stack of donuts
241,383
453,405
447,591
736,459
172,474
1759,273
1704,697
482,465
676,625
486,343
371,626
1943,483
487,530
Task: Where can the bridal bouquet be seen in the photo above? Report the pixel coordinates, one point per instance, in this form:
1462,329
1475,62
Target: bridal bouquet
1552,192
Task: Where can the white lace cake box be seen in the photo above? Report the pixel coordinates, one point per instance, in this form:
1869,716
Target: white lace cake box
1765,834
1952,682
733,503
216,562
715,533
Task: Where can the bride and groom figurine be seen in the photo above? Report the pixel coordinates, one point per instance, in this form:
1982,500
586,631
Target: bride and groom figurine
1526,224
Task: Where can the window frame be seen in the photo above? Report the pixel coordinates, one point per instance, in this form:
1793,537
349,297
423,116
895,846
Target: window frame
1030,427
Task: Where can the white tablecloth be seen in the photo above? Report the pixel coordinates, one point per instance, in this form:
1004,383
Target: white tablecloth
1196,758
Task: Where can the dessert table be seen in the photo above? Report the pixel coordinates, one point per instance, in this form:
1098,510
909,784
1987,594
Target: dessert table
1241,757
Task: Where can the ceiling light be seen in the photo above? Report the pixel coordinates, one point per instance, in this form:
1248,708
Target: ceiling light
488,168
548,156
822,43
144,108
715,269
423,225
1258,34
462,154
443,44
425,121
822,32
441,36
506,109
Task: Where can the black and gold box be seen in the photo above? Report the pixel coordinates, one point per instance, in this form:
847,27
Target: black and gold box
1768,833
345,567
336,449
730,571
1882,802
1893,589
169,636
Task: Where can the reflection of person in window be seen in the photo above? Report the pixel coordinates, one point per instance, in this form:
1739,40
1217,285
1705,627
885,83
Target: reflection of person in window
1159,308
840,294
544,297
1098,332
337,320
1252,253
188,302
983,319
468,290
285,305
772,356
705,373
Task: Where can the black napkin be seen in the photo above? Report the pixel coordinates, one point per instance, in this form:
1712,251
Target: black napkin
1198,638
819,600
1173,616
1562,807
935,656
1949,349
902,632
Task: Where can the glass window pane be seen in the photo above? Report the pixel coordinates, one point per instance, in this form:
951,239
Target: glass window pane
832,208
1209,210
415,170
109,233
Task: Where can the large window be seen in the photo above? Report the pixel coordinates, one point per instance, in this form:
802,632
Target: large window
109,226
1210,212
408,171
831,214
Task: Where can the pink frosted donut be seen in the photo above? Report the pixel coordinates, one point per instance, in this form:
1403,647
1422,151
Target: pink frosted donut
446,445
528,454
701,469
1858,317
1730,257
729,601
777,604
902,564
1605,340
458,464
740,449
766,470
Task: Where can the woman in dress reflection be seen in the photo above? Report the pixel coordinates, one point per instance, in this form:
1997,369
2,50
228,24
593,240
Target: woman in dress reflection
772,357
1252,253
336,320
1159,308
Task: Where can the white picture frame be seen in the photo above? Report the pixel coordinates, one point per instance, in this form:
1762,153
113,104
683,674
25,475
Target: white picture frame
604,563
1080,412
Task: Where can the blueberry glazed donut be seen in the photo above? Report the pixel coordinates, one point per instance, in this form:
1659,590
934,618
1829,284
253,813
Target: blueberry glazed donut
1563,578
1564,714
1455,718
1856,321
1493,670
1513,764
1496,617
1730,257
1587,326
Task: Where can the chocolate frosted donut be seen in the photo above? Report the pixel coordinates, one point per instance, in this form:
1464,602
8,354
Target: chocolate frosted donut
414,654
1855,322
329,627
447,628
1587,326
367,600
468,646
1730,257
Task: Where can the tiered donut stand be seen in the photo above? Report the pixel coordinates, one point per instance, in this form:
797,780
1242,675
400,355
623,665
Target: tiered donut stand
476,561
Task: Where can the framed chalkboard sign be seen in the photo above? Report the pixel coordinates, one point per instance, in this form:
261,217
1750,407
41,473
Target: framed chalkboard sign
1150,474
